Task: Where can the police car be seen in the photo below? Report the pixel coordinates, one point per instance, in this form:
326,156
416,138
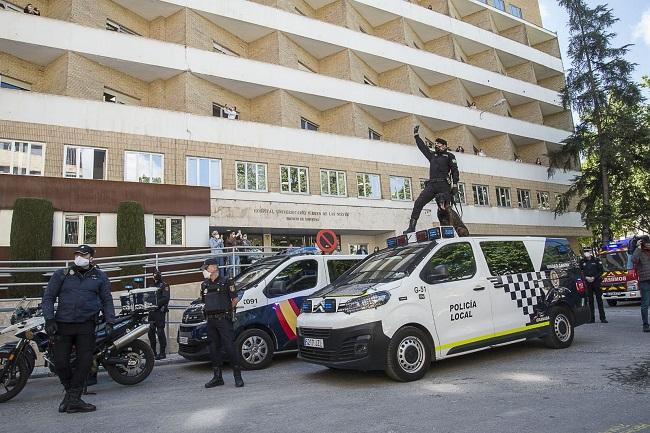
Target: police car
270,293
443,296
618,282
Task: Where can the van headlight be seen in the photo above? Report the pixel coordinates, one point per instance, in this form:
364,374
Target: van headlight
365,302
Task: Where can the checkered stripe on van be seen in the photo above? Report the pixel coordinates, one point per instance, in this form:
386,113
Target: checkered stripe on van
525,289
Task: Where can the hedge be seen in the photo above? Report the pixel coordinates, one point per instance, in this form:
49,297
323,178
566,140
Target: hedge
31,239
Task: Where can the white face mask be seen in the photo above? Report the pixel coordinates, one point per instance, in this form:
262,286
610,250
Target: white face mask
587,255
206,274
82,262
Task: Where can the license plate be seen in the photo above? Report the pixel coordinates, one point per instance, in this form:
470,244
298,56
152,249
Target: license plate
314,342
182,340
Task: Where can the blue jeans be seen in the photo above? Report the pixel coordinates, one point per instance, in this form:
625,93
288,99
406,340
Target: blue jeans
221,261
645,300
233,270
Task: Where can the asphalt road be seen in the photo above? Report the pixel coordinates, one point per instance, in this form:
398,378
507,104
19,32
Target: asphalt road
600,384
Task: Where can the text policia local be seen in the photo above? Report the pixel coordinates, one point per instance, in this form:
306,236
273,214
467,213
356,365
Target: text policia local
461,310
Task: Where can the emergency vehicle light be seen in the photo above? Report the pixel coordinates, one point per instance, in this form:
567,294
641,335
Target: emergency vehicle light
391,242
422,236
329,305
402,240
434,233
306,307
448,232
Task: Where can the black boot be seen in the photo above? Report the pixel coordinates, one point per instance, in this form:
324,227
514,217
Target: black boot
76,404
161,355
64,403
216,380
412,223
239,382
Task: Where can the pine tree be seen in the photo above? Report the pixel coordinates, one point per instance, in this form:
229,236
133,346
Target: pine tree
601,90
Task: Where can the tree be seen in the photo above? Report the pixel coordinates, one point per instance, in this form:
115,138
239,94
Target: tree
600,89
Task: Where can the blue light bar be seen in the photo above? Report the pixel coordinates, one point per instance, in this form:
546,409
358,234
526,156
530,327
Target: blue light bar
434,233
306,307
448,232
329,305
391,242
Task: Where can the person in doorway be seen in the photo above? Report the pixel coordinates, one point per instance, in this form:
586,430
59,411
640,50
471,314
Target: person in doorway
375,250
460,149
592,270
538,161
81,291
157,316
216,249
441,186
219,297
30,9
641,261
232,252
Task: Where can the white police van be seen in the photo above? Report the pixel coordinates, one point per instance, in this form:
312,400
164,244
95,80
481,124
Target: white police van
270,292
443,296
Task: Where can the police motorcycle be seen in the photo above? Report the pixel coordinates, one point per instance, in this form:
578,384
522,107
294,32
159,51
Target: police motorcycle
127,359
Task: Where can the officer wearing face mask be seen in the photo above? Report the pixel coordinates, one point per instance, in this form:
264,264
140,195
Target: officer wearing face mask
443,168
82,291
157,316
592,269
219,298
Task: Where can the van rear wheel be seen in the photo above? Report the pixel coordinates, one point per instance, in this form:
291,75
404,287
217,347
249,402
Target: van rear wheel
561,329
611,302
408,356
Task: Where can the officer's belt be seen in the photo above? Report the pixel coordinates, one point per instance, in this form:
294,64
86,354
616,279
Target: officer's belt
437,180
218,314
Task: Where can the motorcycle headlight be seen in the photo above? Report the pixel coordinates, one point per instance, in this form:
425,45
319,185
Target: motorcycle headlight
366,302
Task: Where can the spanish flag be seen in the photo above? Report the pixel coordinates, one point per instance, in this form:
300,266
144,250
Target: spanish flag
287,313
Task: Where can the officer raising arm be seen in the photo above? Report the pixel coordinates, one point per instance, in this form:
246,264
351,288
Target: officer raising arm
82,291
157,316
219,298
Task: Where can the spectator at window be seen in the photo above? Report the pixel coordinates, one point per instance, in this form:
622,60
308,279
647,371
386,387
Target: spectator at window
460,149
481,153
538,161
231,112
430,7
31,10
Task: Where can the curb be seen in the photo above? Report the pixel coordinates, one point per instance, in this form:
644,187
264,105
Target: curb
173,358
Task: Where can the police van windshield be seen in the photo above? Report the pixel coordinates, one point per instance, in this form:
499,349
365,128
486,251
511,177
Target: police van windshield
614,261
256,272
382,267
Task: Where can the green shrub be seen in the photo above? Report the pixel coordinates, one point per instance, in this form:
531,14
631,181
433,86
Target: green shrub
31,239
130,233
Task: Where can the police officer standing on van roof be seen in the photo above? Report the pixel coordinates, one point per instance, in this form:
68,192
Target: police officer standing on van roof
442,167
82,291
219,298
157,316
592,270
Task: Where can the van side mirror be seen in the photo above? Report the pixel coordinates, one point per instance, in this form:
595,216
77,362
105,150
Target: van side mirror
439,273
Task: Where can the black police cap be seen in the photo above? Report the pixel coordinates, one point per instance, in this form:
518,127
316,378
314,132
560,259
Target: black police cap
85,249
208,262
441,141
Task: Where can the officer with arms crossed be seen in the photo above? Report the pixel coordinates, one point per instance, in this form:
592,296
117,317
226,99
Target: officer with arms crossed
641,260
592,270
442,166
82,291
157,316
219,298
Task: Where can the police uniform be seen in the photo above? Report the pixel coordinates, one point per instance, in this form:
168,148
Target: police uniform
592,268
217,296
81,293
157,318
442,166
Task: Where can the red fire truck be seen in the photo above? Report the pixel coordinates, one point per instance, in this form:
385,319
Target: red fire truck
618,282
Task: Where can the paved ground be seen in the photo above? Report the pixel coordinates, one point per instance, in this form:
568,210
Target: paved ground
600,384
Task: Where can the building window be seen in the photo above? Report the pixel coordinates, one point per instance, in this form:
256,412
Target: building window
302,66
543,200
20,157
306,124
168,230
84,162
116,97
500,4
218,48
203,172
423,93
10,6
251,176
523,198
80,229
12,83
481,195
294,179
461,193
400,188
368,81
373,135
144,167
116,27
332,182
368,185
516,11
503,196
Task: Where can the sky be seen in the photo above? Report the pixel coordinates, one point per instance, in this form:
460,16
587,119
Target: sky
633,28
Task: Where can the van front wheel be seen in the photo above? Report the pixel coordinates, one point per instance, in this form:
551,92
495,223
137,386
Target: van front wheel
255,349
561,329
408,356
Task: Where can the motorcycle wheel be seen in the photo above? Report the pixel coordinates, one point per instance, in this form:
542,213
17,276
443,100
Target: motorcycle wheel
15,380
140,359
